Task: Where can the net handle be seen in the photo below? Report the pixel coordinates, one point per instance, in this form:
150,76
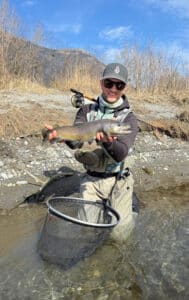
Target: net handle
57,213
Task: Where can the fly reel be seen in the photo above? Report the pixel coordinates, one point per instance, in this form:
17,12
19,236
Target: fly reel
77,100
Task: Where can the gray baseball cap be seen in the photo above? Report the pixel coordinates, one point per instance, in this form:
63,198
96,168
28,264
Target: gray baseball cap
115,70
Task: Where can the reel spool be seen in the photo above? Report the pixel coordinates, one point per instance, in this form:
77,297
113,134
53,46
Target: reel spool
77,100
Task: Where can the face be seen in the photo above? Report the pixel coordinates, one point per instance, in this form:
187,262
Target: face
110,91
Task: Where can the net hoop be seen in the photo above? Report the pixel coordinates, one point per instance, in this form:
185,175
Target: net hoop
59,214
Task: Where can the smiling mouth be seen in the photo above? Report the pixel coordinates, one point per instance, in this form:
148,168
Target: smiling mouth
112,94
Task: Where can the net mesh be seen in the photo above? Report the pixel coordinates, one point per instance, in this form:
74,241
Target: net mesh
73,229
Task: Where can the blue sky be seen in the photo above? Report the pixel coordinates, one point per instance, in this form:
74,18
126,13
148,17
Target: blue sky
104,27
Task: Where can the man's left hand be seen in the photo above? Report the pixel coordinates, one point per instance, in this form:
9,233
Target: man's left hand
100,136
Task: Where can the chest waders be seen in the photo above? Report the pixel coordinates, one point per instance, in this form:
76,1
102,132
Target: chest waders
111,165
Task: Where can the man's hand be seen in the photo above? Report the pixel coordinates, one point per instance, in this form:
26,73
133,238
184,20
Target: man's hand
100,136
51,135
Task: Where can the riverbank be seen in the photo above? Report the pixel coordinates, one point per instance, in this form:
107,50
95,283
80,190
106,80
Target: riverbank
158,161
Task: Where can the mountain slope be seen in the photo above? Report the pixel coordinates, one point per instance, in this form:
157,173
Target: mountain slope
45,65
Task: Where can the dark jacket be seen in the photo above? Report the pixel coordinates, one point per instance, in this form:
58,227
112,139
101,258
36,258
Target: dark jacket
119,148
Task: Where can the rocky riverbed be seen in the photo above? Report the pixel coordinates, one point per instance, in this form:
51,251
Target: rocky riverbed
26,164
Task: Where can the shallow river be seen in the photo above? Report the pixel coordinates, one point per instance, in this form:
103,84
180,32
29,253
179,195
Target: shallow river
152,264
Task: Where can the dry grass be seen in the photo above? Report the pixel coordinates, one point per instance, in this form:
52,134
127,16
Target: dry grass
177,98
84,84
173,128
25,85
22,121
80,79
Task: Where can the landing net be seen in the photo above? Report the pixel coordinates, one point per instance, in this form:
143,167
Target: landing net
74,228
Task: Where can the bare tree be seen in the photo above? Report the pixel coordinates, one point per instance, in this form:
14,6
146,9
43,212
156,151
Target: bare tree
8,27
155,71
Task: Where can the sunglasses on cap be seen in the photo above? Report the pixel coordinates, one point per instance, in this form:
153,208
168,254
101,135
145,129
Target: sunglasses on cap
120,85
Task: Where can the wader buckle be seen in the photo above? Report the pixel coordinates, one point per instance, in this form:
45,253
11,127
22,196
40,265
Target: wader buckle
124,173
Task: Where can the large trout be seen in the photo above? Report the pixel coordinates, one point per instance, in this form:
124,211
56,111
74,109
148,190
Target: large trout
84,132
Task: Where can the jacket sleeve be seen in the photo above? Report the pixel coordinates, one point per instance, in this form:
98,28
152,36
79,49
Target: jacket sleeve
119,148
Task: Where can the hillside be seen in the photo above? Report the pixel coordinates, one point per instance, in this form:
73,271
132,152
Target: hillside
44,65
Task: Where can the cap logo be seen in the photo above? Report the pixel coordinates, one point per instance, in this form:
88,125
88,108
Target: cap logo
117,70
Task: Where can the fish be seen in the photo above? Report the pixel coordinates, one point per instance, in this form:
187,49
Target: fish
84,132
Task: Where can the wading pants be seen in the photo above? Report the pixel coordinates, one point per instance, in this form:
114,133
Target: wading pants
119,194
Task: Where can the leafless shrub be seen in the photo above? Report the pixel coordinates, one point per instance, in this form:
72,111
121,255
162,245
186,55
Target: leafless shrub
8,26
18,58
78,75
156,72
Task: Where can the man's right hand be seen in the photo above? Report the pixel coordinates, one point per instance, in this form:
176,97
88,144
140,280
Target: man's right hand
52,134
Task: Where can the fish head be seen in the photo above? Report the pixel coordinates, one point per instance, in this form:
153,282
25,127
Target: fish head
119,128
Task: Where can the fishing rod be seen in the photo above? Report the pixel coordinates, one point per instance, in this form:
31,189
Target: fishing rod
78,100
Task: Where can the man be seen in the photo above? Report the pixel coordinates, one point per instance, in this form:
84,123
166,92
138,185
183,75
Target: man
107,170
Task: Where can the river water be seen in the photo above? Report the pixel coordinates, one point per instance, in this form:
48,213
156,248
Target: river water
152,264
